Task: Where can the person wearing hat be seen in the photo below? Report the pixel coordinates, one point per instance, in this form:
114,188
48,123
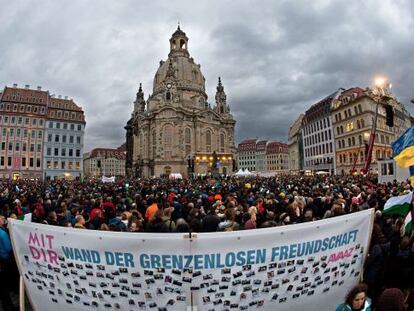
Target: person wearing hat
391,299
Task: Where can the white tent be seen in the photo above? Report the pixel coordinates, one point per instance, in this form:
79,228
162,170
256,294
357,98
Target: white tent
248,173
239,173
243,173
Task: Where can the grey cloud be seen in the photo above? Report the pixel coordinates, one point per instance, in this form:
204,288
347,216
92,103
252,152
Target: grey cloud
276,58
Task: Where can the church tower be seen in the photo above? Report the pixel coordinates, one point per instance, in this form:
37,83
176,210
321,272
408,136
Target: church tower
139,103
221,100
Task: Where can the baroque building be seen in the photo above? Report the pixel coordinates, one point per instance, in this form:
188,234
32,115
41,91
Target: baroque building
353,115
263,156
104,162
176,130
41,135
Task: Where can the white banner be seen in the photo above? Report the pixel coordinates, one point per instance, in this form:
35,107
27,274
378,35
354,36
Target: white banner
291,267
108,179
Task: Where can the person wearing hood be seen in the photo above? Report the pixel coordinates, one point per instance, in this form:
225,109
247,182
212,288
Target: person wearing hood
229,224
356,300
115,222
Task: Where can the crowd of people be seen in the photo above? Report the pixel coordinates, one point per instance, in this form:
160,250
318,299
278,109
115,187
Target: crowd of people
221,204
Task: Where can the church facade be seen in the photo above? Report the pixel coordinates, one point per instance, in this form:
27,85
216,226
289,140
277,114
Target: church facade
176,130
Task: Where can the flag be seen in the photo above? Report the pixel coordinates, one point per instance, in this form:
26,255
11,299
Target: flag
26,217
398,205
408,224
412,174
403,148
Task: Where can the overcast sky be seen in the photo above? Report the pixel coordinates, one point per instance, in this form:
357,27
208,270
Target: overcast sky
276,58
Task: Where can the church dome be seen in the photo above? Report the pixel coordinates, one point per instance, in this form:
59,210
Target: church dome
185,72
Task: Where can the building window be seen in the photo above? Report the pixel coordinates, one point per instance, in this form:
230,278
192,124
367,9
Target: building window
78,139
23,162
31,162
38,162
49,151
56,153
168,138
57,139
72,126
9,161
187,141
48,164
58,125
55,164
71,139
63,165
350,127
63,138
65,126
49,137
77,152
79,127
39,147
222,142
71,152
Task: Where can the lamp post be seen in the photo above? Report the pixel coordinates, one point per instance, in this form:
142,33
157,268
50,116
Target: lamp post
378,94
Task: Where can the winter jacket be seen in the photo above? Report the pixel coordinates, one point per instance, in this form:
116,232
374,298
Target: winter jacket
5,245
345,307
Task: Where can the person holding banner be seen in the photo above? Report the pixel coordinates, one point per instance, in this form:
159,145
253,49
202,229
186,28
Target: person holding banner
5,266
356,300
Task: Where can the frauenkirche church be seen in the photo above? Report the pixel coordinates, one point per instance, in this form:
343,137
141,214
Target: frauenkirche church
176,130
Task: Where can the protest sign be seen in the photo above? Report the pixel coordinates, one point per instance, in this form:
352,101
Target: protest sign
293,267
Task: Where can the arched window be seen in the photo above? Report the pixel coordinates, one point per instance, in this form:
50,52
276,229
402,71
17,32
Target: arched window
362,123
182,44
187,141
208,141
168,96
222,139
168,138
154,143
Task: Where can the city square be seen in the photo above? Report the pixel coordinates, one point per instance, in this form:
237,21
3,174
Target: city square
207,156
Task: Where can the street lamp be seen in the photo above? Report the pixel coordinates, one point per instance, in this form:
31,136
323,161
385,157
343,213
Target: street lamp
379,94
